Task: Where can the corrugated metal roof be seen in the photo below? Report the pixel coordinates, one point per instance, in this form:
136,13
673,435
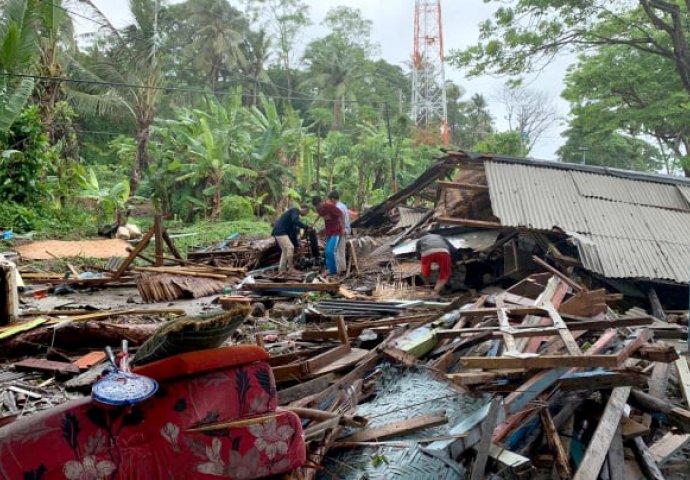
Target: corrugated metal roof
410,216
628,227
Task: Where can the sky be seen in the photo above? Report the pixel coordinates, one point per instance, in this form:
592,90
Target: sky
393,22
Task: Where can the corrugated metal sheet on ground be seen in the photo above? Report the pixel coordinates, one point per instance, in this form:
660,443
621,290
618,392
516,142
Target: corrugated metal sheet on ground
629,228
401,395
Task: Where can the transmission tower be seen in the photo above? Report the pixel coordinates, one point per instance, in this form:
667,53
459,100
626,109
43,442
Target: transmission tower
429,108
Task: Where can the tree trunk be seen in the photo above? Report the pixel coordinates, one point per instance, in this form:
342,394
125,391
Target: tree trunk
141,162
217,183
318,163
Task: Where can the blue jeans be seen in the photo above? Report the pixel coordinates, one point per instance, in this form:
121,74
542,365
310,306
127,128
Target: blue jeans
331,248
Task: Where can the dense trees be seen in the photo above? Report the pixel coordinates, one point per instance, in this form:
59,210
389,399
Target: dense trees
629,90
212,109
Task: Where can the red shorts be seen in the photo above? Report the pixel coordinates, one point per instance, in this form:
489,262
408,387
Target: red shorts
442,259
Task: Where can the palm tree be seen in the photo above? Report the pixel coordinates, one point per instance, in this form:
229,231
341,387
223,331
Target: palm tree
257,51
130,79
18,52
216,45
334,68
479,120
55,40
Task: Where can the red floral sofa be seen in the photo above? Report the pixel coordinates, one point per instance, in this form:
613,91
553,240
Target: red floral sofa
214,415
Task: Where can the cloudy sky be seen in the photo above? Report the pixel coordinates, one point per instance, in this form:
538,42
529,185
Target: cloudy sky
393,30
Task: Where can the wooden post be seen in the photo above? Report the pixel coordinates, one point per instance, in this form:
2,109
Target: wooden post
482,448
603,435
9,299
342,331
158,234
554,441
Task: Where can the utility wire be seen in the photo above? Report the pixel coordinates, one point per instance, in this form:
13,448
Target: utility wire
297,95
177,89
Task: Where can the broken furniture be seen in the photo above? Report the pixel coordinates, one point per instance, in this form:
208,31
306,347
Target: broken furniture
216,415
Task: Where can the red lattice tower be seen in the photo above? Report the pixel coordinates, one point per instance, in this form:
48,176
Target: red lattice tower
429,108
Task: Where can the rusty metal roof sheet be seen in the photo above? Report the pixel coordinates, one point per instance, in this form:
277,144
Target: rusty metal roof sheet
624,227
410,216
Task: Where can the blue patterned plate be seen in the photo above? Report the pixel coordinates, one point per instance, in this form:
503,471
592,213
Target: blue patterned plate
123,389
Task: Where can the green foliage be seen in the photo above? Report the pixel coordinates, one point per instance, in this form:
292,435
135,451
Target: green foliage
619,94
236,207
108,200
71,220
25,158
501,143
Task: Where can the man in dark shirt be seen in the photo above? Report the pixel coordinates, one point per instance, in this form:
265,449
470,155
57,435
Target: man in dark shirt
436,249
333,219
286,232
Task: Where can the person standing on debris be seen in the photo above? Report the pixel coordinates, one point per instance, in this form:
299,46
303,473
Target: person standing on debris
340,255
436,249
286,232
333,219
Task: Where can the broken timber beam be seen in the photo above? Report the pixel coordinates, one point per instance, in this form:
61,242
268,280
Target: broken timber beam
466,222
554,441
463,186
603,435
401,427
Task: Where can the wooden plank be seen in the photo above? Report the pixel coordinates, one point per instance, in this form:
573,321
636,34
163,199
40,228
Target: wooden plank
677,416
302,390
448,359
683,378
466,222
554,441
46,366
482,448
642,336
541,362
90,359
601,380
509,345
631,429
158,238
664,448
646,460
403,358
320,361
313,287
133,254
603,435
564,278
12,330
565,334
171,246
462,186
401,427
657,387
532,388
615,458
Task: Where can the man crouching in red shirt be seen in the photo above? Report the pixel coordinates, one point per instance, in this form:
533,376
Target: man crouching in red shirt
435,249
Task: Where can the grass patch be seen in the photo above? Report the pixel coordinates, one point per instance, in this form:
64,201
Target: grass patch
210,233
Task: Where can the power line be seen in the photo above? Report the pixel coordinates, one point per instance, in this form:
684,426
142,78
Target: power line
176,89
298,95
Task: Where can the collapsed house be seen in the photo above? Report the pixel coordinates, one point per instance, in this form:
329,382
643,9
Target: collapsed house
543,363
627,230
